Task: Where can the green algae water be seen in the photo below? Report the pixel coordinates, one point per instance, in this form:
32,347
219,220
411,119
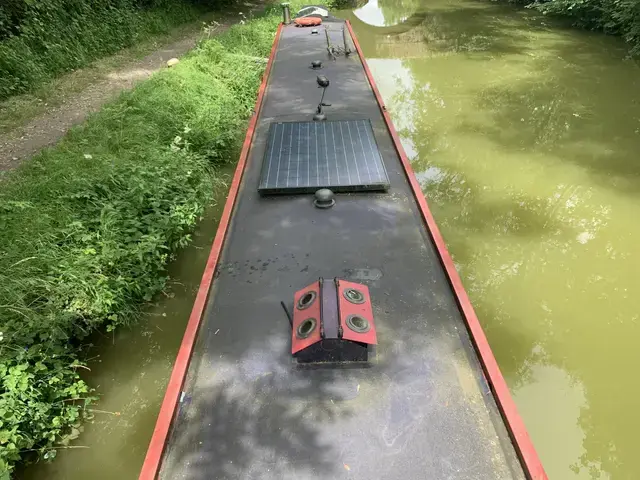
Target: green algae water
525,137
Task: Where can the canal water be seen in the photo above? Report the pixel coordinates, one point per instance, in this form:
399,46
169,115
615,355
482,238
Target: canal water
525,137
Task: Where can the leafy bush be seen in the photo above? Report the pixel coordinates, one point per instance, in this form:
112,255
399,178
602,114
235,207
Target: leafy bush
616,17
41,39
89,226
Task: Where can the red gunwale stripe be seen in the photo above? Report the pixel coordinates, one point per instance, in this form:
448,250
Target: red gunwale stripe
524,447
153,459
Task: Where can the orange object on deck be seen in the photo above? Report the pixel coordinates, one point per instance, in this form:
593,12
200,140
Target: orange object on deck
307,21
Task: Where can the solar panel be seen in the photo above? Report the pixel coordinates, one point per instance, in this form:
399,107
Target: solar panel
305,156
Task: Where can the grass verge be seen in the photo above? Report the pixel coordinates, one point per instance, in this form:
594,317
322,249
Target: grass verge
89,226
20,109
58,36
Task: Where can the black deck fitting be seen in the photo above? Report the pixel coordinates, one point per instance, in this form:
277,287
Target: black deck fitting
323,83
324,198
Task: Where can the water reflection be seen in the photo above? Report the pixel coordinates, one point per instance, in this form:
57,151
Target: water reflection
524,137
371,14
384,13
566,402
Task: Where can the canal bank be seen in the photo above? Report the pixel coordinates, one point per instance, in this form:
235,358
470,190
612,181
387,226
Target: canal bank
90,225
130,367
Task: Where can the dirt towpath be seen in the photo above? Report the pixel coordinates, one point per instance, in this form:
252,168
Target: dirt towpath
51,123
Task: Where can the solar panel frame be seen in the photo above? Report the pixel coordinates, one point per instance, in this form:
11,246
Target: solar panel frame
302,157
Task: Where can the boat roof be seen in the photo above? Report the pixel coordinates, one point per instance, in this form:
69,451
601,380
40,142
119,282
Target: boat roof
425,406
